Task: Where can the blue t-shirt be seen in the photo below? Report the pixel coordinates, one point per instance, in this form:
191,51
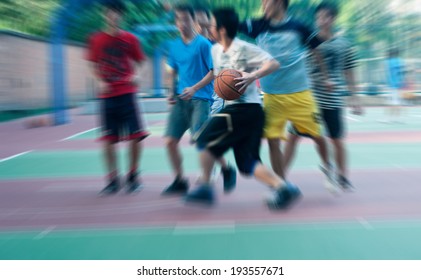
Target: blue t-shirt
395,72
288,42
192,61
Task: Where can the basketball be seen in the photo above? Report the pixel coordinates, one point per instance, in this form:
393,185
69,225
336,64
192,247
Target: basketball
224,84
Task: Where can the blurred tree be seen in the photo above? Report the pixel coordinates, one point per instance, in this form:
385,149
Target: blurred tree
370,24
31,17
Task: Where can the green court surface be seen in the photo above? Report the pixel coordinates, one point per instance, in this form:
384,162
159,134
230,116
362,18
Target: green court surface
295,235
338,241
89,162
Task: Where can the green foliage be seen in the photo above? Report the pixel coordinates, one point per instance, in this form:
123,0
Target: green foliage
31,17
370,24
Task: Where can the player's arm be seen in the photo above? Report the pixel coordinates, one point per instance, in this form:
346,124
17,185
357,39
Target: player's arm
348,71
172,74
252,28
354,100
312,40
323,68
190,91
138,57
91,56
267,67
102,84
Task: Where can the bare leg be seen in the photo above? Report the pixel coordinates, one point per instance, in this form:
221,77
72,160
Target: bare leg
175,156
289,151
268,177
134,155
276,156
321,147
340,156
110,158
207,162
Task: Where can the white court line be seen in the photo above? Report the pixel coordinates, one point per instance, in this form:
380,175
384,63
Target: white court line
78,134
15,156
44,232
352,119
364,223
225,227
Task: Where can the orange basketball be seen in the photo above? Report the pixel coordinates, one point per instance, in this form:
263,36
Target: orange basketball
224,84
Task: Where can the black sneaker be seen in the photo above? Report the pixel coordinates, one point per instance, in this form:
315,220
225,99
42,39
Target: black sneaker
133,184
203,194
178,187
345,184
229,176
112,188
284,197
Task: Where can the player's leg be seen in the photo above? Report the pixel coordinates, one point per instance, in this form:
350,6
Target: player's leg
177,125
136,131
200,117
275,120
306,120
109,136
336,131
213,140
247,157
290,150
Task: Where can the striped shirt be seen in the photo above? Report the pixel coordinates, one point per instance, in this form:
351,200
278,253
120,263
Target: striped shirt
338,55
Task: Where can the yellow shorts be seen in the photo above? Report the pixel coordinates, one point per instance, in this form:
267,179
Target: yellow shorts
299,108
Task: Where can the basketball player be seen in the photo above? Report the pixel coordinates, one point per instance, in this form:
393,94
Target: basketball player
340,59
113,52
286,91
239,125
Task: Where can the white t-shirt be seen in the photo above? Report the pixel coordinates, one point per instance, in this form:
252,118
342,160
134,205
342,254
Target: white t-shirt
241,56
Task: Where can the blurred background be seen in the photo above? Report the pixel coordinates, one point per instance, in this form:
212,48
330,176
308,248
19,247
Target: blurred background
50,176
27,29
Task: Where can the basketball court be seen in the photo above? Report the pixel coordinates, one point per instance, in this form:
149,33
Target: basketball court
49,207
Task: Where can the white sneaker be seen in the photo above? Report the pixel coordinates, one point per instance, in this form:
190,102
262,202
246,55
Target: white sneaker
330,183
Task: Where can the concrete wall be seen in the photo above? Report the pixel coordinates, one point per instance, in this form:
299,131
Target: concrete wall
25,78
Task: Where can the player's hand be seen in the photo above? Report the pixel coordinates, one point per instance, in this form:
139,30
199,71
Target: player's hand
245,81
187,93
103,87
171,100
356,108
133,79
329,85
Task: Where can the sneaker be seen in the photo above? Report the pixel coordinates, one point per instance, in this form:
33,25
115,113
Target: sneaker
112,188
133,184
284,197
345,184
229,176
203,194
178,187
330,183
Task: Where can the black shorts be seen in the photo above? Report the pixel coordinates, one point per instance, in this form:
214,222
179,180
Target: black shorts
238,126
332,121
121,119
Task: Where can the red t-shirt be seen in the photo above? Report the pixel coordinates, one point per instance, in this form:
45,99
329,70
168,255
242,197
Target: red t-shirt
115,57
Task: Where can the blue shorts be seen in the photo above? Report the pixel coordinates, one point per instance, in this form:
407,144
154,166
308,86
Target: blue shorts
187,114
